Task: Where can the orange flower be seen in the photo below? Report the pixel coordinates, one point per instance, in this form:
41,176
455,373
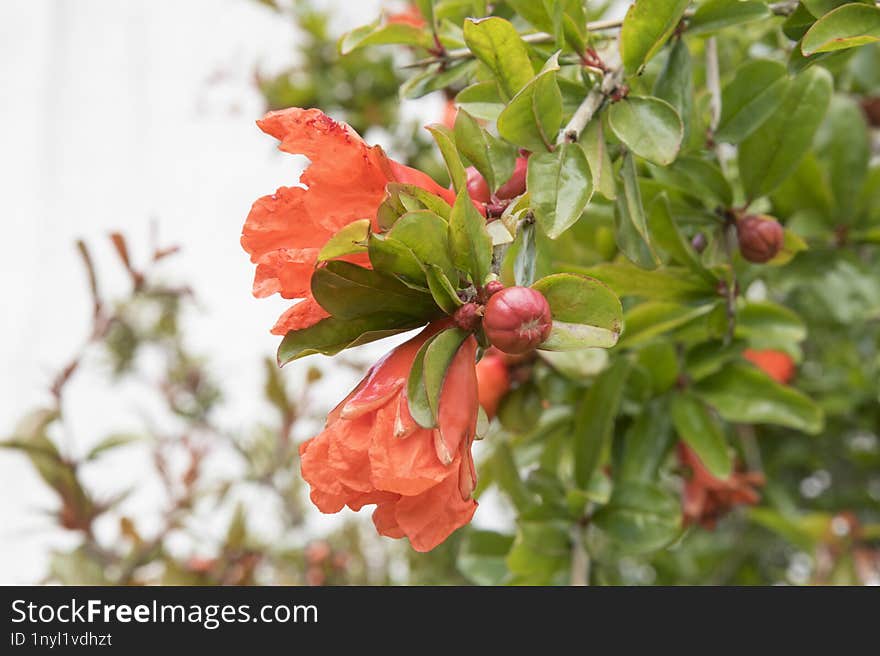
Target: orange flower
409,16
776,364
707,498
345,182
493,381
373,452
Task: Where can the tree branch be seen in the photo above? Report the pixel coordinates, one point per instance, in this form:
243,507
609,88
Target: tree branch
595,98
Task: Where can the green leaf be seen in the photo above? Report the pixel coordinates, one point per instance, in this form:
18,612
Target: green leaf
645,444
714,15
675,83
646,321
586,313
767,325
846,147
667,236
649,127
482,557
526,256
630,222
560,187
493,158
742,393
641,517
348,241
387,255
646,27
750,98
376,34
425,381
348,291
426,235
846,27
330,336
446,142
666,284
497,44
541,553
819,8
695,424
532,118
771,153
592,140
442,289
594,420
481,100
469,240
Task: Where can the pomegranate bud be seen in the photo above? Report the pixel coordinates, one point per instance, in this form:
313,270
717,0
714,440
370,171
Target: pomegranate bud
467,317
517,183
760,238
478,188
699,242
517,320
492,287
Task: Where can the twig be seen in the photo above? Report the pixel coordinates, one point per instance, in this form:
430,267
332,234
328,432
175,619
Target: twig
713,82
594,100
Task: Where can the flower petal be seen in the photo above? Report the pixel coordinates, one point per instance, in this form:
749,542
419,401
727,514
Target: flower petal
429,518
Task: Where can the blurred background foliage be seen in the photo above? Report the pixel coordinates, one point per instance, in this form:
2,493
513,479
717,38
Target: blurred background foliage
818,521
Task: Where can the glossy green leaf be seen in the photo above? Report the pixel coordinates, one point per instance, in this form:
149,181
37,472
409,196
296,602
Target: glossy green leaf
541,553
481,100
846,27
767,325
750,98
696,425
387,255
641,517
560,187
594,420
675,83
330,336
532,118
493,158
348,241
630,221
646,321
348,291
438,356
482,557
667,236
649,127
646,27
496,43
844,145
714,15
469,240
742,393
442,289
771,153
376,34
586,313
427,236
446,142
819,8
645,444
666,284
592,140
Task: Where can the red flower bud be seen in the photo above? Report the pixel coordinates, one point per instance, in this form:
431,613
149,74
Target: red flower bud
517,320
478,188
467,317
760,238
492,287
517,183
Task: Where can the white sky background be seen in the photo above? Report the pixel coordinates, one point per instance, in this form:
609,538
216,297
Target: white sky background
115,113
